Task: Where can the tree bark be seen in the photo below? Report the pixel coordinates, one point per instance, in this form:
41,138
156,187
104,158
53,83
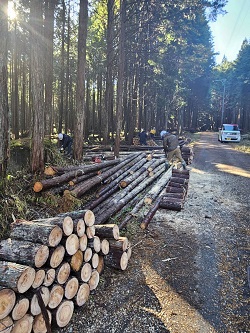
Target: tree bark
107,231
64,221
49,235
24,252
171,203
116,259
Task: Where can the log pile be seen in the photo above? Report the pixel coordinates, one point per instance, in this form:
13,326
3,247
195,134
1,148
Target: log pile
50,266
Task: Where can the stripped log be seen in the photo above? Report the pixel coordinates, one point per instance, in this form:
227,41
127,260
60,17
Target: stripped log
56,296
82,294
116,259
49,235
16,276
7,301
21,307
6,325
23,325
171,203
26,253
107,231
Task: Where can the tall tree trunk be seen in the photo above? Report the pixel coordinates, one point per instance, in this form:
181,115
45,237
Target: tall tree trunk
80,93
49,33
107,119
4,111
61,108
121,62
37,81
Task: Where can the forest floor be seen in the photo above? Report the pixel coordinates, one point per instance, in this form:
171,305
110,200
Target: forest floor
188,271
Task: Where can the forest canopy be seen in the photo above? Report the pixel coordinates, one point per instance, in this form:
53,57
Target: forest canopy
111,68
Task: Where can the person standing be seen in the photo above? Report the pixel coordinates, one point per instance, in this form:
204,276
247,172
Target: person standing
171,148
143,137
65,143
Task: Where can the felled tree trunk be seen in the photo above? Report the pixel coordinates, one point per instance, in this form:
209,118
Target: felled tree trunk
15,276
49,235
171,203
26,253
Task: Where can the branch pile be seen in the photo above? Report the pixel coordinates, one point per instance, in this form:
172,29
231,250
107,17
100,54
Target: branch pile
49,266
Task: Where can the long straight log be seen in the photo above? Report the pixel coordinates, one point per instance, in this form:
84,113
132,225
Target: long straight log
7,301
22,252
82,188
158,187
129,168
128,180
48,183
150,214
46,234
115,207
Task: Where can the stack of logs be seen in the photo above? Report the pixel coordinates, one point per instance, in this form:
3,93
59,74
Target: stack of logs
176,190
49,266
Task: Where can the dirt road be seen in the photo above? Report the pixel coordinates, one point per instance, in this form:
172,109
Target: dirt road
188,272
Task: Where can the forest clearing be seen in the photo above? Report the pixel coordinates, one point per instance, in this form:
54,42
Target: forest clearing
174,274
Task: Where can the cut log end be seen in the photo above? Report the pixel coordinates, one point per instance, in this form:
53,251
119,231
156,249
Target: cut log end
64,313
38,186
89,218
23,325
6,325
7,302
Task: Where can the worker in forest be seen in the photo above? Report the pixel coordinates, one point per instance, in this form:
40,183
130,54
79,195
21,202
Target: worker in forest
65,142
152,133
143,137
171,148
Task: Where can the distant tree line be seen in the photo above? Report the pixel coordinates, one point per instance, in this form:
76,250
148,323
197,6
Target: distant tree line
111,68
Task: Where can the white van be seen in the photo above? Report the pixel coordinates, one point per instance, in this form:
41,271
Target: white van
229,132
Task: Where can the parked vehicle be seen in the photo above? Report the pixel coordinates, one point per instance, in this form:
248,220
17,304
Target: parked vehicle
229,132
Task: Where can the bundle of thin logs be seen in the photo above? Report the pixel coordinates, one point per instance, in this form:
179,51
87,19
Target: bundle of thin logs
50,266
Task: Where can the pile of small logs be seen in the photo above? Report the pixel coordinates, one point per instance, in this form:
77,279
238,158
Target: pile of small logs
50,266
176,190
